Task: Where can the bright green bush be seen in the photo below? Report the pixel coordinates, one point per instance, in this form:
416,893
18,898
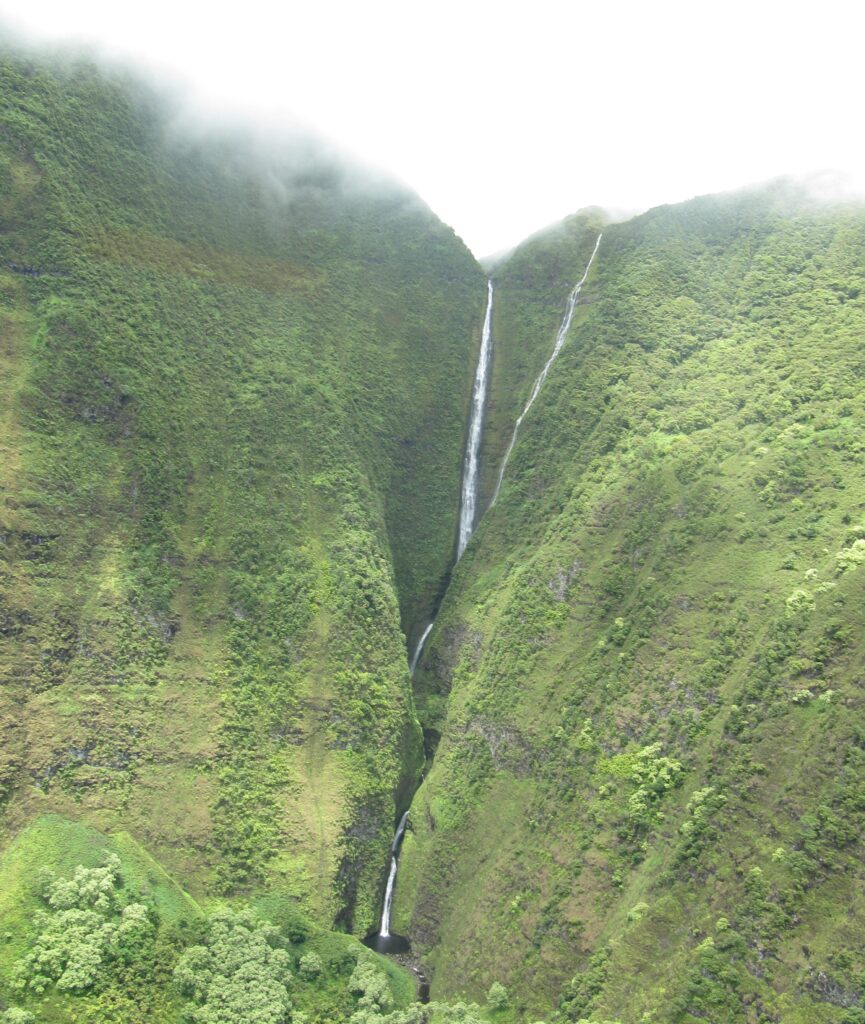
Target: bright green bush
497,997
700,828
239,976
310,966
849,558
369,984
15,1015
88,927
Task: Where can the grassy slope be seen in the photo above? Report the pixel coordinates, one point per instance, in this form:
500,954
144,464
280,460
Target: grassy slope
662,569
57,845
231,384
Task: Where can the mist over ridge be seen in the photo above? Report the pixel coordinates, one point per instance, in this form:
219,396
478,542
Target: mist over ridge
653,115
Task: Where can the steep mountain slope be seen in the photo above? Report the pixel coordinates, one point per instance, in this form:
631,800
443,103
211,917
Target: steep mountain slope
235,379
647,674
530,286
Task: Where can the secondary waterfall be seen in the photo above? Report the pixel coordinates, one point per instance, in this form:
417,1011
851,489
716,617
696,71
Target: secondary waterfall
469,495
418,651
384,930
382,941
573,298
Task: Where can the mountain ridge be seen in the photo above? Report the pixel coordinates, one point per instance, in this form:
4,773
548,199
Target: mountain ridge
164,308
626,567
234,418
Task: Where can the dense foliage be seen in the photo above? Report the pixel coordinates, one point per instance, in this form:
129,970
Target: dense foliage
106,946
239,976
234,380
86,929
646,674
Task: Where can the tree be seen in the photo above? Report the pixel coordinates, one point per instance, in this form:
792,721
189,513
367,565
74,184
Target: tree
85,929
310,966
497,997
240,976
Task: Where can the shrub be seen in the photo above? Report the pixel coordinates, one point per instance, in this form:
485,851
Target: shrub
240,976
849,558
497,997
637,912
85,929
700,828
369,983
799,602
310,966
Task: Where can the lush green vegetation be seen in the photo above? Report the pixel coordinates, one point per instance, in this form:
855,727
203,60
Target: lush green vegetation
235,377
531,287
648,794
113,939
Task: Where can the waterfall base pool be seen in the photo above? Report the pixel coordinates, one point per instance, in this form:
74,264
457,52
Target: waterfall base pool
387,943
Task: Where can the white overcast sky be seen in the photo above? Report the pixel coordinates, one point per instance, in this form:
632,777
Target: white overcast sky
507,116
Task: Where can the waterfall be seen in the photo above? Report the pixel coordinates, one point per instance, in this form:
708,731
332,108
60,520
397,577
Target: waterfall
573,298
469,486
419,649
383,941
384,931
469,495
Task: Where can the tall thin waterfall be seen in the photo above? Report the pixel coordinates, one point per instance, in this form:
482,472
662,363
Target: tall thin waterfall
384,930
469,496
469,487
573,298
384,942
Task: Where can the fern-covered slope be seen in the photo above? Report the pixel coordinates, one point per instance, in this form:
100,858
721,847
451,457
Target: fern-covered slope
235,380
647,671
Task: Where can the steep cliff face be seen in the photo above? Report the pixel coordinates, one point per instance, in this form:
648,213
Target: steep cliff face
235,381
647,673
234,386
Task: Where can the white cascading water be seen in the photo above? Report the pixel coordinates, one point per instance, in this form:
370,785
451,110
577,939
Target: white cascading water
573,298
469,500
468,513
384,931
469,495
419,649
469,487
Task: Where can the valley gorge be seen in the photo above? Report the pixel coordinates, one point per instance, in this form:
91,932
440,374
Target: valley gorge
352,590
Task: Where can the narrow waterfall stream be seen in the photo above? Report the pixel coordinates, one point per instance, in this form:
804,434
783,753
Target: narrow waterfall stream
384,930
573,299
418,651
383,941
469,493
471,459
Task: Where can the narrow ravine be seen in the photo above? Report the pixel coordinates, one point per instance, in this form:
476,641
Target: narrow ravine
383,940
